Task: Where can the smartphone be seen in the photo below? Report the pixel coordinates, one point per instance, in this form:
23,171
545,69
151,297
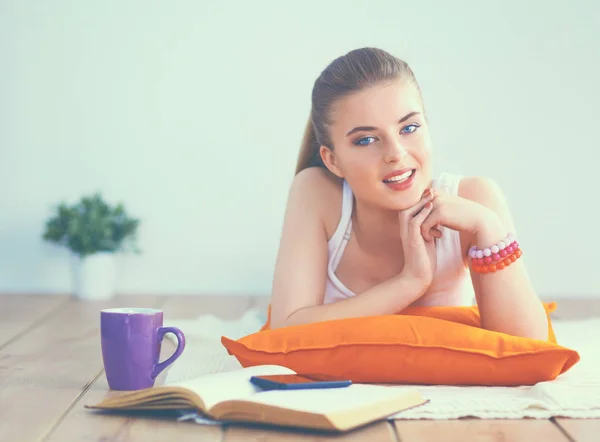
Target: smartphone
297,382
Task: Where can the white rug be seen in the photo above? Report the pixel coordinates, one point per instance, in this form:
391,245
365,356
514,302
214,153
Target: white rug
575,394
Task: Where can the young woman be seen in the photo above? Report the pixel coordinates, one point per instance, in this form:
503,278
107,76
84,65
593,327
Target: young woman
368,231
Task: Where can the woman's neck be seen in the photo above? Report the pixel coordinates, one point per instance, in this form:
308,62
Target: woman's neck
377,230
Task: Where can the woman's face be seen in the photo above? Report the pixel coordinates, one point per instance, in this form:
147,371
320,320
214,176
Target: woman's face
376,133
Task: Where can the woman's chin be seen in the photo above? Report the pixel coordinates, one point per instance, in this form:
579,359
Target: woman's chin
406,201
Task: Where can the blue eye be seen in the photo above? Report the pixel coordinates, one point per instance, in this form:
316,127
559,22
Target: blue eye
360,141
409,129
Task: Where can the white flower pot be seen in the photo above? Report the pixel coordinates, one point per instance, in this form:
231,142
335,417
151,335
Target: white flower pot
94,276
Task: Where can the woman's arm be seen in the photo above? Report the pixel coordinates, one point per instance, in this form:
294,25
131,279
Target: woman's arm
301,267
506,299
387,298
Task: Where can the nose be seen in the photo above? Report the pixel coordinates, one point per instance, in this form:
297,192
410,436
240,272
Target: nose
395,152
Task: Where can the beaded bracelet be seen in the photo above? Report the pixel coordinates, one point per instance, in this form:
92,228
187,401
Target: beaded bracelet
496,257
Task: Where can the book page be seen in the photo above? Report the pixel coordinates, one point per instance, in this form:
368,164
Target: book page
327,400
235,384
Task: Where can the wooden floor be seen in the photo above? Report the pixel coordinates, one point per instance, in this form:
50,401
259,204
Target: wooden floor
51,366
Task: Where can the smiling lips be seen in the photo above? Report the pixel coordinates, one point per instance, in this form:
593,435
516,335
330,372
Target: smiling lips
400,179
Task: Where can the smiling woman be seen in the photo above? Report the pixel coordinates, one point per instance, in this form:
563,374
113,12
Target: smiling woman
369,231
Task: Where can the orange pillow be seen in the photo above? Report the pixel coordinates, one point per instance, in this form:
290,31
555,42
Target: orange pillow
468,315
401,349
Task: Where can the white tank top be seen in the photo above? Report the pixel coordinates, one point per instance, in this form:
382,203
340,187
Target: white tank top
451,285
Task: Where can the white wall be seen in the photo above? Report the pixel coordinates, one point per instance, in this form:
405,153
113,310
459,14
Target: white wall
191,112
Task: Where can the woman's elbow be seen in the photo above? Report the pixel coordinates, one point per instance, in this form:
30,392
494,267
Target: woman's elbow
535,328
279,320
277,323
538,333
286,319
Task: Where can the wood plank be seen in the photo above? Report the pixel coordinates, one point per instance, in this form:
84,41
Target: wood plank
21,313
45,371
580,430
478,430
85,424
379,431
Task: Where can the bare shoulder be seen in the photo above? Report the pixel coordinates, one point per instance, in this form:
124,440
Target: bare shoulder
321,193
483,190
301,264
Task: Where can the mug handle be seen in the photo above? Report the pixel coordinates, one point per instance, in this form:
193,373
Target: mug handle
162,331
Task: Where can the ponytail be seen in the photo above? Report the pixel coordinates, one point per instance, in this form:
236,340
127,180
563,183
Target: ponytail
309,155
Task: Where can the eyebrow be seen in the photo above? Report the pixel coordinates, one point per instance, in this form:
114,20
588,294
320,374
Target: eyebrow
366,128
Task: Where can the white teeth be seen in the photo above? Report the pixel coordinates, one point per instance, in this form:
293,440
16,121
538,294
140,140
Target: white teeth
400,178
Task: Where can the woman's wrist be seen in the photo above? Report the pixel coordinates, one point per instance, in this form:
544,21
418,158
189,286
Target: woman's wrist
413,286
493,248
490,231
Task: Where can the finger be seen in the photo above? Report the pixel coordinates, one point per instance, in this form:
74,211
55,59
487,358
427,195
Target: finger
417,220
428,195
429,224
433,234
435,219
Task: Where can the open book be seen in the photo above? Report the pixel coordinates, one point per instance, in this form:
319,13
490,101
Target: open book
230,397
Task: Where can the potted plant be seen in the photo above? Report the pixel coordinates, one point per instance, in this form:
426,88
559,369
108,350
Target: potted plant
94,232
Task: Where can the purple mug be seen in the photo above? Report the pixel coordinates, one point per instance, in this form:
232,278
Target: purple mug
131,340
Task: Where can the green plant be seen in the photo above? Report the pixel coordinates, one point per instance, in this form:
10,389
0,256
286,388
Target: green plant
91,225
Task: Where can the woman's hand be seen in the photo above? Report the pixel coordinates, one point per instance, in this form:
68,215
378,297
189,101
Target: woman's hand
456,213
419,252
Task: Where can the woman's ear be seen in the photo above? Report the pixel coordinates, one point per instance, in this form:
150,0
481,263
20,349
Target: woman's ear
330,161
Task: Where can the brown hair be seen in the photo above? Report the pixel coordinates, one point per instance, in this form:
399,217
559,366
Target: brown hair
352,72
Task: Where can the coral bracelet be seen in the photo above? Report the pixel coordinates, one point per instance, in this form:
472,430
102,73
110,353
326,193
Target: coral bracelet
496,257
